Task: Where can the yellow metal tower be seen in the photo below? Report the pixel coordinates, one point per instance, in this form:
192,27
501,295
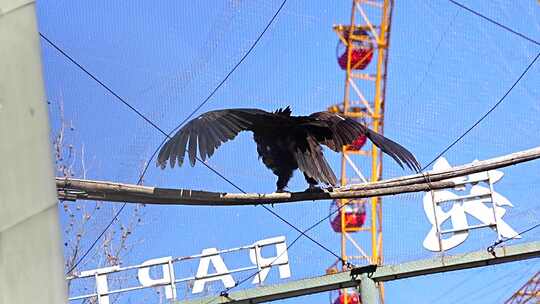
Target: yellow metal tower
364,57
528,293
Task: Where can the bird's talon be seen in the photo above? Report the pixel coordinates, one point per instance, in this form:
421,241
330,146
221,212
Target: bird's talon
314,189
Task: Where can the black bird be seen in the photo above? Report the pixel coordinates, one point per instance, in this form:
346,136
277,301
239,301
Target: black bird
284,142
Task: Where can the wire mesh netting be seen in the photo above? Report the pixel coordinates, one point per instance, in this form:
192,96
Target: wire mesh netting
447,67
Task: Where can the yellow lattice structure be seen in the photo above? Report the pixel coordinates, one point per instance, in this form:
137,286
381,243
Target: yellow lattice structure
528,293
364,59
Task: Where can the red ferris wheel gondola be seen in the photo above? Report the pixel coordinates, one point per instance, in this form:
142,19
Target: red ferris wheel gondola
347,297
357,144
361,50
354,216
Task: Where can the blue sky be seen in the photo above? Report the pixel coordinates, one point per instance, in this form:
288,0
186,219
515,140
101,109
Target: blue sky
446,69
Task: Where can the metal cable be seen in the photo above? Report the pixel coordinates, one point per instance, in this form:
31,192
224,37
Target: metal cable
512,87
141,115
270,210
486,114
167,136
225,292
494,22
491,249
432,58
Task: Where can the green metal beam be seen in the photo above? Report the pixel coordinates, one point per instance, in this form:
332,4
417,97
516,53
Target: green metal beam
383,273
458,262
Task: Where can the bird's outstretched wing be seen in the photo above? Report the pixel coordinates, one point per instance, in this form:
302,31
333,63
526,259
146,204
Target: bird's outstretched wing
335,130
395,150
208,132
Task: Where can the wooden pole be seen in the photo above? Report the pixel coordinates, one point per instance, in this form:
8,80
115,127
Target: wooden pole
73,189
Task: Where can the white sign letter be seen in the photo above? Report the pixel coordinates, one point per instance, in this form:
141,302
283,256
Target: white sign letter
102,286
222,273
168,276
264,264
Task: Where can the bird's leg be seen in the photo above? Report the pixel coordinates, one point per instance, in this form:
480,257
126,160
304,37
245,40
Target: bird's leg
283,180
281,184
312,184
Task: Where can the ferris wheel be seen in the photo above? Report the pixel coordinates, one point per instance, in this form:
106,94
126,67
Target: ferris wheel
362,52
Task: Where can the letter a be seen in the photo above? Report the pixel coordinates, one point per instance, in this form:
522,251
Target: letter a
222,273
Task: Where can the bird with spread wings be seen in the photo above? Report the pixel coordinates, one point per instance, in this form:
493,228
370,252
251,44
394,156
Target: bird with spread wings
284,142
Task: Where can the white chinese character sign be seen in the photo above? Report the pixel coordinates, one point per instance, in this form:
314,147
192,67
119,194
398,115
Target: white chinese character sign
480,202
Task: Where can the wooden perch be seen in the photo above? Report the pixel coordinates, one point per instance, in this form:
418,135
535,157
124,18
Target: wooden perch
73,189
